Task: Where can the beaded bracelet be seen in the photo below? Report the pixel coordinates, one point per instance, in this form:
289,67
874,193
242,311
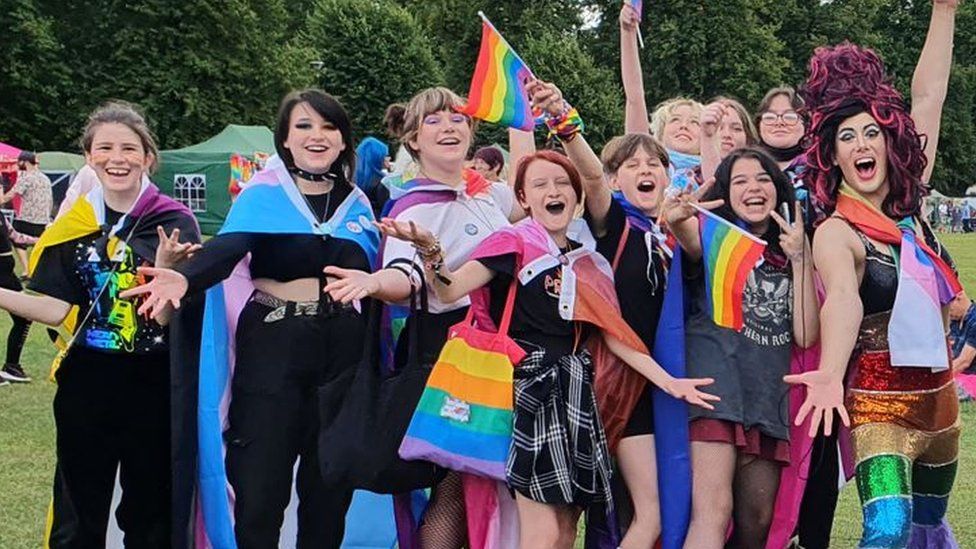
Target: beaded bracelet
433,258
566,126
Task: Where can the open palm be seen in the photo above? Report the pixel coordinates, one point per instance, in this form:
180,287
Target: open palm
167,287
825,394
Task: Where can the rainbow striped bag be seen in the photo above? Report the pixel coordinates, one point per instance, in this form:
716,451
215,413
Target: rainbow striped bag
464,418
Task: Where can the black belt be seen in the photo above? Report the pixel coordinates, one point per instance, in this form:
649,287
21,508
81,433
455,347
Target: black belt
282,309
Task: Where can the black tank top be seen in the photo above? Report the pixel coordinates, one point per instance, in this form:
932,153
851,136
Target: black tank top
880,282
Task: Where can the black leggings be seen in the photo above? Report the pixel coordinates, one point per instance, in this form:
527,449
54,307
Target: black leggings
274,421
21,326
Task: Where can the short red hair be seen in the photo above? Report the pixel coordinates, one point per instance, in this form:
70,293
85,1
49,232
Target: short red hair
554,158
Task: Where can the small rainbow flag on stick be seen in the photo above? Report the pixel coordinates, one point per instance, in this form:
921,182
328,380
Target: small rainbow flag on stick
729,254
498,91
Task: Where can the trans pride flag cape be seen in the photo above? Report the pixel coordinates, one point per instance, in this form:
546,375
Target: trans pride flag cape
926,282
271,204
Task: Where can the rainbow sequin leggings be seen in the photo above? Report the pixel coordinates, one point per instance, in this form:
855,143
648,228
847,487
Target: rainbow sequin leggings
905,430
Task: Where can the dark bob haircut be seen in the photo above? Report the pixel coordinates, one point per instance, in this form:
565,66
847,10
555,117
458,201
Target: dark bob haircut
722,190
329,108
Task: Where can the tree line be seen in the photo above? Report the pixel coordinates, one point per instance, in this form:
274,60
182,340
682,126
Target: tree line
197,65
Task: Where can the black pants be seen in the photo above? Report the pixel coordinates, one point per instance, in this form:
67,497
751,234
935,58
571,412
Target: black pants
820,497
112,414
274,420
21,326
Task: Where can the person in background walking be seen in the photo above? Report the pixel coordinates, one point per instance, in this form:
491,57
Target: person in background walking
37,201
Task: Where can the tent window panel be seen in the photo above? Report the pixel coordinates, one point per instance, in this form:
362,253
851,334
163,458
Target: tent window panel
191,190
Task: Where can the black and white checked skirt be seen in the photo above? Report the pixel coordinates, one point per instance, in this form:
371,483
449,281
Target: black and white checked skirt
559,452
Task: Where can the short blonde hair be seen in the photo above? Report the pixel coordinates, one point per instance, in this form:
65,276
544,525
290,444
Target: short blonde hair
666,109
404,120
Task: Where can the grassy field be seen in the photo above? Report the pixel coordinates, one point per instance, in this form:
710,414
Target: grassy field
27,445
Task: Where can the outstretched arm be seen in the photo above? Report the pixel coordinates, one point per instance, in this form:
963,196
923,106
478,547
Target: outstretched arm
708,139
520,144
38,308
685,389
930,83
635,113
548,97
840,320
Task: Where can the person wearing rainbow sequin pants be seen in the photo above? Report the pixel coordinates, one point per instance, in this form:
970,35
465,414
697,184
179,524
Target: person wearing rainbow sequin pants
887,281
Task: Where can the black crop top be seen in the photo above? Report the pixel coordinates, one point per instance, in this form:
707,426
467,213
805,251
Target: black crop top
281,257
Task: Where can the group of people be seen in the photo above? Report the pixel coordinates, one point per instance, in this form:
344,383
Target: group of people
252,322
954,217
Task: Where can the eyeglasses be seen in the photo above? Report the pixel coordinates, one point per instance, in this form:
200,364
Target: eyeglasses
789,118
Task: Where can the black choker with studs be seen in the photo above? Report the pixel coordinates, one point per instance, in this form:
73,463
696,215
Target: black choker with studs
309,176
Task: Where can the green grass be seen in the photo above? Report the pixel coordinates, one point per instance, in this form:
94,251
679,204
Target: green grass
27,445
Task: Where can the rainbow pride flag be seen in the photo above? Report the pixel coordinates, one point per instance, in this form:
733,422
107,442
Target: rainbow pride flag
729,254
497,91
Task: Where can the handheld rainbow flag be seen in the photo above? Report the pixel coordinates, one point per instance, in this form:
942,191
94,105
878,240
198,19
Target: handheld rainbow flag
498,91
729,254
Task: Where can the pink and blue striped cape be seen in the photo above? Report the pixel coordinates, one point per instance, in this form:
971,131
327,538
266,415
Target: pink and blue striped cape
270,204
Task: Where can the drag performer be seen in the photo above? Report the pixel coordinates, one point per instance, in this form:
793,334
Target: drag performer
566,318
265,307
885,360
111,409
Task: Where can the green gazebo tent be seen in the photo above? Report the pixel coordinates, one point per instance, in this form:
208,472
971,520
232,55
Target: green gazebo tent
60,168
199,175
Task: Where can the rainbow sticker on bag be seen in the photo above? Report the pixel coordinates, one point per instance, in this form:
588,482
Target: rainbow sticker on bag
463,420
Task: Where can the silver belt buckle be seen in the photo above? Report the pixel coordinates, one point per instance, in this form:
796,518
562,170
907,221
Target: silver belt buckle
275,315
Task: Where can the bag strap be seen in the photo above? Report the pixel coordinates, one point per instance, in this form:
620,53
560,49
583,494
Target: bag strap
621,245
419,309
506,319
509,307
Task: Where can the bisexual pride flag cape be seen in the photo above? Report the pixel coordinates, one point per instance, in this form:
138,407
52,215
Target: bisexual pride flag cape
270,204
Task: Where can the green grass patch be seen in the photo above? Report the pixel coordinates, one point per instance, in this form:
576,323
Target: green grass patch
27,444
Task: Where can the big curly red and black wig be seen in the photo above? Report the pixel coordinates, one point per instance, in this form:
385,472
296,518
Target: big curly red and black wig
846,80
